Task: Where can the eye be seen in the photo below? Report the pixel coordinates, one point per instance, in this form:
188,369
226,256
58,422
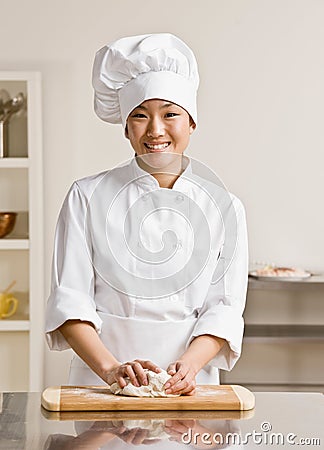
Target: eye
138,115
171,114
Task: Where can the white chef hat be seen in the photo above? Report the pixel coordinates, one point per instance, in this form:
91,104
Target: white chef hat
138,68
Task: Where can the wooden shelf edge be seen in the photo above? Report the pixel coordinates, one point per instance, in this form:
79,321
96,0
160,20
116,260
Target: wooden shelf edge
14,325
14,163
14,244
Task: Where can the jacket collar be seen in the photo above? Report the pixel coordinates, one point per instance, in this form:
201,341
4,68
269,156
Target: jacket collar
144,178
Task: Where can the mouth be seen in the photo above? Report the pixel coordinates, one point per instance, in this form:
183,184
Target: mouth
156,148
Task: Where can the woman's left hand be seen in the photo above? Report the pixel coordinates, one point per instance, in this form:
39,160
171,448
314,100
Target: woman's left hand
183,378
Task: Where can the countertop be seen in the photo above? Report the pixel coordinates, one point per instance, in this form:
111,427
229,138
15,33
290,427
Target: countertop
279,420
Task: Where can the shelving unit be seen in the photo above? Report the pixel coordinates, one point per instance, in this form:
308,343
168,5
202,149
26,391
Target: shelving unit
15,325
280,334
313,282
21,252
14,244
14,163
283,337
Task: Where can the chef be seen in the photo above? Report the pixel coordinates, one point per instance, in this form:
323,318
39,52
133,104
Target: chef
150,258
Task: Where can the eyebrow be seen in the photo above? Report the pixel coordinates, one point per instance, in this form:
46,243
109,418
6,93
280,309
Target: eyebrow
165,105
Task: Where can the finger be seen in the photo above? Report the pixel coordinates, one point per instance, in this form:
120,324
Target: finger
129,435
130,373
182,387
177,377
171,369
140,374
140,435
192,392
173,434
177,427
149,365
187,423
187,389
121,381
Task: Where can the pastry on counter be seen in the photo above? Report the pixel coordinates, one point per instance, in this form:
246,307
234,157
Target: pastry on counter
276,272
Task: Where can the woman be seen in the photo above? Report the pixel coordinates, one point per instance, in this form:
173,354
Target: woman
150,259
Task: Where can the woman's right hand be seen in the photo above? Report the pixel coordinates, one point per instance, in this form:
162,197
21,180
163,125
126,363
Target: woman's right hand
134,370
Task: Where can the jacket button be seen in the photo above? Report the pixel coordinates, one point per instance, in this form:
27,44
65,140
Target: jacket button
178,245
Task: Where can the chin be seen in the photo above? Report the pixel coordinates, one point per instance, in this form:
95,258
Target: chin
161,160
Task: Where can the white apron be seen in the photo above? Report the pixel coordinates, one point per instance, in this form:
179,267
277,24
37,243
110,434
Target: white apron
162,342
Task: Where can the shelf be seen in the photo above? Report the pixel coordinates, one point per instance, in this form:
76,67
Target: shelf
14,244
14,163
14,325
283,333
22,251
315,281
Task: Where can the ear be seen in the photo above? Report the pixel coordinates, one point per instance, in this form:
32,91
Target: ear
192,125
126,132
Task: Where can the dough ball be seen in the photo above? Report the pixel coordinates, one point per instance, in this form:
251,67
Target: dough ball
154,388
155,427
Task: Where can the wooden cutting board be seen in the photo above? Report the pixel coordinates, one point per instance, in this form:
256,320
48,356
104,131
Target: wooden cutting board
120,416
99,398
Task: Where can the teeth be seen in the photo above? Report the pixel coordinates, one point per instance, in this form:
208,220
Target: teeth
157,147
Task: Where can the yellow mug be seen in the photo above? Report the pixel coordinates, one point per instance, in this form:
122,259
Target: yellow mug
8,305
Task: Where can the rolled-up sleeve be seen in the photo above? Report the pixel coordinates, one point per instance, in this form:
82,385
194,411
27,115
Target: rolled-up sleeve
221,314
72,287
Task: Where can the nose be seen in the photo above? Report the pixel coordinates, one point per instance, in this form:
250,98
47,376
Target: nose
155,127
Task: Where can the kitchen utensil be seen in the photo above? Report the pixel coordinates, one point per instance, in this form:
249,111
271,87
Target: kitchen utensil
3,138
4,98
7,223
12,106
8,305
7,109
99,398
8,288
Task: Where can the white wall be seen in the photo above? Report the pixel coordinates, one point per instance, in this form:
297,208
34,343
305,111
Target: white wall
260,106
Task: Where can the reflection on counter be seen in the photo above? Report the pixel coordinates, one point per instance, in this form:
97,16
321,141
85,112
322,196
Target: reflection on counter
292,417
157,433
12,414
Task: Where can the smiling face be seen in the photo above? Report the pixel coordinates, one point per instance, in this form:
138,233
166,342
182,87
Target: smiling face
158,126
159,132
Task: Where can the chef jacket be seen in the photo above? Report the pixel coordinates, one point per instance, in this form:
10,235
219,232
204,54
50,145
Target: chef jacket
151,268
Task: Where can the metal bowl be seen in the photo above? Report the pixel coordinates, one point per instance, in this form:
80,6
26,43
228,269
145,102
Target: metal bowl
7,223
